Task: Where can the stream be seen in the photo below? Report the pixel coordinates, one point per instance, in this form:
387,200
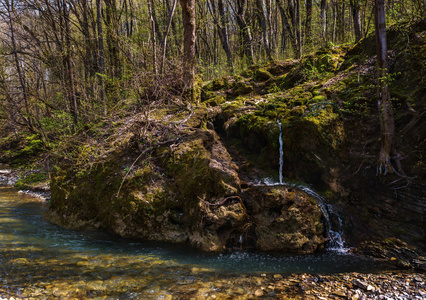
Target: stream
39,259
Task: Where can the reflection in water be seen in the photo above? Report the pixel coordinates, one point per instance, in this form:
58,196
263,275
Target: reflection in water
39,259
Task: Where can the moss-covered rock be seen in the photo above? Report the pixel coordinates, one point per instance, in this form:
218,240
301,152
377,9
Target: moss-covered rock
242,88
284,219
261,74
215,101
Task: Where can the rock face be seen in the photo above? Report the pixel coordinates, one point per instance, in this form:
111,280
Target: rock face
187,190
285,219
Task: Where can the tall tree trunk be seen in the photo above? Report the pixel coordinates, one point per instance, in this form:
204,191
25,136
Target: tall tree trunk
222,28
342,23
308,23
112,40
294,14
101,60
387,125
164,45
333,39
300,32
245,30
153,35
189,38
225,35
72,98
287,27
262,20
21,73
323,17
174,30
355,6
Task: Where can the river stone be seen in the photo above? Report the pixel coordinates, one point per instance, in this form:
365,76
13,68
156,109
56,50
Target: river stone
285,219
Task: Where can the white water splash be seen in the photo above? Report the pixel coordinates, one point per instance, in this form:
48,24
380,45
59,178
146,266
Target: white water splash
335,235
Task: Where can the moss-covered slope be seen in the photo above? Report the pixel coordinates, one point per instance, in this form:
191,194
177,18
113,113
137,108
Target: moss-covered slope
186,173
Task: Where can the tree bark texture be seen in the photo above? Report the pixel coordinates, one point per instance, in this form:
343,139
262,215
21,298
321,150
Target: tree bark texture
387,125
262,20
355,5
164,46
245,30
189,39
308,23
323,17
101,63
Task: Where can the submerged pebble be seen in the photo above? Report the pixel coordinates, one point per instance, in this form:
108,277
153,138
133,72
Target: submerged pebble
206,286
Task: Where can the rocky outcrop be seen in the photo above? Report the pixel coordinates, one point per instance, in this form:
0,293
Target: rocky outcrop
175,180
284,219
186,189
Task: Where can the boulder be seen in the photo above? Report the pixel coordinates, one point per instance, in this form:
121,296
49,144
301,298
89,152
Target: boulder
285,219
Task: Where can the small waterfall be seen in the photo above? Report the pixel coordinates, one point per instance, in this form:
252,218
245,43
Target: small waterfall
281,152
332,221
336,241
334,235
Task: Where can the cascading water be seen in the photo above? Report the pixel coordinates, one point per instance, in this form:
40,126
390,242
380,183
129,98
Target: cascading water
281,152
334,235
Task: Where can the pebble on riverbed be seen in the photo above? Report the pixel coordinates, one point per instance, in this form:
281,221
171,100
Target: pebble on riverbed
353,286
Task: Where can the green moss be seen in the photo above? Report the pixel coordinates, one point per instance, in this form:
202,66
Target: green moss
319,98
206,95
31,180
219,83
218,100
242,88
261,75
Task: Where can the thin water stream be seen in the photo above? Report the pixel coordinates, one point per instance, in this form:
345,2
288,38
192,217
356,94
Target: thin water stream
37,257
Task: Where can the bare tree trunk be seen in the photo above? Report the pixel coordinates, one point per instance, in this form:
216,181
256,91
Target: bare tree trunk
262,20
342,23
299,24
308,23
355,6
287,28
333,36
387,125
163,52
21,74
154,37
101,63
174,31
245,30
222,28
112,37
189,38
323,17
225,36
69,65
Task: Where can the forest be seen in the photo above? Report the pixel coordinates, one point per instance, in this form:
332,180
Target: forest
157,119
213,149
70,63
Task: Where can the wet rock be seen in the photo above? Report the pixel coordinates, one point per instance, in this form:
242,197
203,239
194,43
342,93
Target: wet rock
419,263
286,219
259,293
339,293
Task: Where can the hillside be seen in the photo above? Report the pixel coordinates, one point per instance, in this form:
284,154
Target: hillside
189,172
